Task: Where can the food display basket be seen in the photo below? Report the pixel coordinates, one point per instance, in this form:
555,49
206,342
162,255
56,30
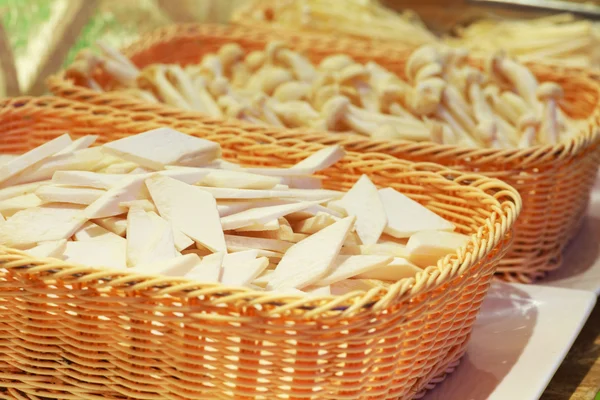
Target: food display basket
554,180
75,332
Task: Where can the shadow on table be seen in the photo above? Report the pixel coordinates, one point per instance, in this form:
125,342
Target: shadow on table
581,255
503,329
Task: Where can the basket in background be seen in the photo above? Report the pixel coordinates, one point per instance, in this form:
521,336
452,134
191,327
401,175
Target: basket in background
554,180
82,333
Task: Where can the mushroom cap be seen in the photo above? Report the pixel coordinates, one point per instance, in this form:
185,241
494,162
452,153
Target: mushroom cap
528,120
473,75
433,87
335,62
393,92
334,110
493,66
219,86
211,65
456,56
320,96
549,90
259,100
491,93
273,50
294,113
428,71
230,53
292,90
255,59
231,107
422,56
272,77
353,72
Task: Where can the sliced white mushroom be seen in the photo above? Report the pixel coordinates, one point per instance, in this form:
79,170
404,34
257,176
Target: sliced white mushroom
78,144
52,248
10,206
405,217
164,146
311,259
209,269
178,266
261,215
397,269
111,254
40,224
173,199
65,194
32,157
240,274
364,202
149,240
427,247
348,266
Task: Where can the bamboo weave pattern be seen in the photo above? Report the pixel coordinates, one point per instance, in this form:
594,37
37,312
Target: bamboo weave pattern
554,181
71,332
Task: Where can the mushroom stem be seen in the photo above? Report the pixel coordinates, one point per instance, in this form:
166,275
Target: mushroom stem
549,93
463,137
458,107
260,102
528,126
183,84
502,108
118,57
425,98
154,77
206,101
268,78
420,58
520,77
303,69
235,109
294,113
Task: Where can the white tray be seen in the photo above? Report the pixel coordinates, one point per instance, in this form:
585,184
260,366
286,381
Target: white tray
520,338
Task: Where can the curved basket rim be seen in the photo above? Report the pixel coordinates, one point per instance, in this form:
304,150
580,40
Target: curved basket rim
574,145
405,288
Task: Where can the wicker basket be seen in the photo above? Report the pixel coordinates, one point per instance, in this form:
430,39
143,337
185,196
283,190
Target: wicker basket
554,181
81,333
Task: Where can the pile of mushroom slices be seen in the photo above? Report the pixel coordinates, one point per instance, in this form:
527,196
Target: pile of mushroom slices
443,99
164,203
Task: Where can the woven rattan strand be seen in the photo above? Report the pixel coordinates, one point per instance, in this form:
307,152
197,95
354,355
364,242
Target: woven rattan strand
73,332
554,181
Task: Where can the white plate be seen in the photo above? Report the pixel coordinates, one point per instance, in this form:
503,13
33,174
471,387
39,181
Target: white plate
520,338
581,262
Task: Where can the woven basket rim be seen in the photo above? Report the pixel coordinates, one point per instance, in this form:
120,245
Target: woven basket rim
573,146
501,220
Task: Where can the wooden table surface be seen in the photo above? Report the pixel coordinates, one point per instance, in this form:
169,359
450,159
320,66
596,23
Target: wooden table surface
578,377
